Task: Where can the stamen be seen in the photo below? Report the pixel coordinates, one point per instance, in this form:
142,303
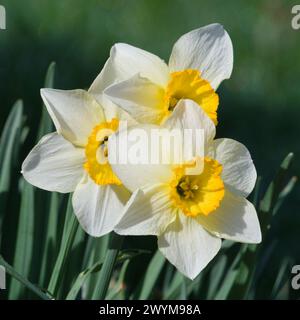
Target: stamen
172,103
96,152
198,194
188,84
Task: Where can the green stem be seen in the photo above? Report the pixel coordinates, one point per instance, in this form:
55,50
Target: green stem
10,270
115,244
70,229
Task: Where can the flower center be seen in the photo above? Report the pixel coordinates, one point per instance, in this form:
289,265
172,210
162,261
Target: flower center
96,152
198,194
188,84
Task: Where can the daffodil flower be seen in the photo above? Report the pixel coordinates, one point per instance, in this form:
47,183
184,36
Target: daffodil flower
191,213
73,158
150,89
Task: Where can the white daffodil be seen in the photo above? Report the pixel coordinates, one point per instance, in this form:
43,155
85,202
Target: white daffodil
191,213
73,159
150,89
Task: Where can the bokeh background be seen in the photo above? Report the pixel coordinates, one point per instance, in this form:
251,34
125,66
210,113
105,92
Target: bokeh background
259,105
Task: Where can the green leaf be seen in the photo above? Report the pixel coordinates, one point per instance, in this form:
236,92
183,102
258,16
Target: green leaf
95,251
130,254
51,240
182,287
96,267
282,276
10,270
231,275
46,125
24,242
115,245
153,271
215,276
117,290
82,277
9,142
271,196
174,287
284,193
69,232
256,191
168,276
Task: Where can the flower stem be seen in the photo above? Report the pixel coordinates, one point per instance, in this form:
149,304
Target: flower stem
115,244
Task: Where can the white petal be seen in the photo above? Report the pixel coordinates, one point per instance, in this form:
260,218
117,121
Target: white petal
136,169
236,219
148,212
111,110
208,49
188,115
239,172
74,113
108,75
140,97
54,164
188,246
98,208
126,61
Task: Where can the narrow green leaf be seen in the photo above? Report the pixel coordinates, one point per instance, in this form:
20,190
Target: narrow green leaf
117,290
183,290
243,275
82,277
70,228
130,254
227,285
115,244
9,141
10,270
123,256
182,287
168,276
284,193
282,276
52,237
257,191
153,271
194,285
74,262
273,191
226,244
24,242
215,276
95,251
174,288
46,125
231,275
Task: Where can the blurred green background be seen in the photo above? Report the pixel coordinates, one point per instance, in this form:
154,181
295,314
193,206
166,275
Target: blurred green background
259,105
